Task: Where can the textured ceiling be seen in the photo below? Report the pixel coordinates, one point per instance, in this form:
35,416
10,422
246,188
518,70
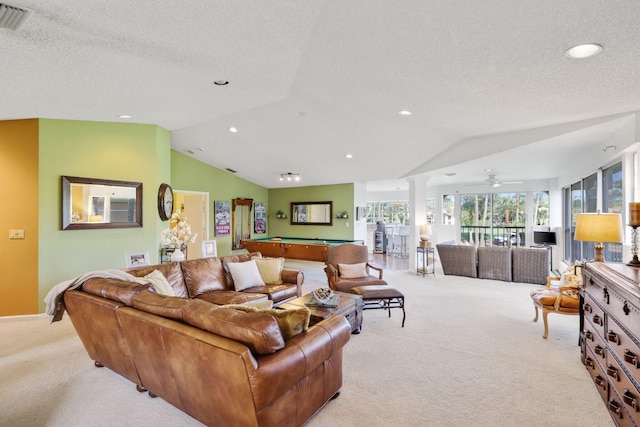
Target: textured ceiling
313,80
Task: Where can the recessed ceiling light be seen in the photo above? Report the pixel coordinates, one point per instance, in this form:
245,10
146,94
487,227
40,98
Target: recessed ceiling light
233,130
124,116
200,149
221,82
405,113
583,51
348,156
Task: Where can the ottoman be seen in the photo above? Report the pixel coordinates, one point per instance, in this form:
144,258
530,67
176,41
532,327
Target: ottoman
381,296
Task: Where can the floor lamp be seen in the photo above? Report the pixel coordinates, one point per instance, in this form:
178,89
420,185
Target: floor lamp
599,228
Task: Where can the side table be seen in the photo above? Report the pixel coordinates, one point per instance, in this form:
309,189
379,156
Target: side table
422,261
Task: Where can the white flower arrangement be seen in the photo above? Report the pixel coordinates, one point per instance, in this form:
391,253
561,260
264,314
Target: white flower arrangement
179,232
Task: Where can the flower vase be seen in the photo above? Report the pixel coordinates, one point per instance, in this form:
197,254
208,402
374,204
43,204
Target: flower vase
177,255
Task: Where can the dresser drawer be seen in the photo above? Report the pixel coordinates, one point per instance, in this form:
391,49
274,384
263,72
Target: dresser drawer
625,312
597,375
593,314
618,410
625,389
624,346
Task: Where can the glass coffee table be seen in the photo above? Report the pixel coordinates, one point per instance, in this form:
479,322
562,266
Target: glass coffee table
349,306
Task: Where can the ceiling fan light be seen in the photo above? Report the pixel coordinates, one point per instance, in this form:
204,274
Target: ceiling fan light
496,184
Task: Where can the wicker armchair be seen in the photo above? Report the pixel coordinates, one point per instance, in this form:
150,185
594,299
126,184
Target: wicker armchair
531,265
458,260
494,263
338,257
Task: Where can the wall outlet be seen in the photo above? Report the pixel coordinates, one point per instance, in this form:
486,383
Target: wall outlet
347,224
16,234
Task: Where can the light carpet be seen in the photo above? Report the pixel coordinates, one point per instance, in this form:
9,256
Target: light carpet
469,355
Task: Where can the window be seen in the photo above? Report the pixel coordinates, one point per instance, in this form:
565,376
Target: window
541,208
582,196
475,218
389,212
448,209
509,218
612,202
431,211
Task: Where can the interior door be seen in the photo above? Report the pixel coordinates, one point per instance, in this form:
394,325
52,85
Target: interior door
194,206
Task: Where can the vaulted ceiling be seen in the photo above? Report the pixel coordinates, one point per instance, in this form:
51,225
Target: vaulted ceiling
487,82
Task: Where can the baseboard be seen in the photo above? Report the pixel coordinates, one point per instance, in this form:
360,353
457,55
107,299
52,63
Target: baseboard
23,317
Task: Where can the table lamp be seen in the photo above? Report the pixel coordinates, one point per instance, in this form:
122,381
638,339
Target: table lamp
425,234
634,223
599,228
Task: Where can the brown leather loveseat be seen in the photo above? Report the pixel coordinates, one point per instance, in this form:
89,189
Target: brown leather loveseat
209,279
221,365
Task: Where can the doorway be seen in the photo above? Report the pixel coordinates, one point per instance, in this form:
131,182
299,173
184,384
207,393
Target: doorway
195,207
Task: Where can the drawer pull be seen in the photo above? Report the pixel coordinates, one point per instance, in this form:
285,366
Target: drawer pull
614,407
630,399
591,280
600,382
587,307
613,372
598,320
605,294
589,362
588,335
599,350
613,337
631,358
626,308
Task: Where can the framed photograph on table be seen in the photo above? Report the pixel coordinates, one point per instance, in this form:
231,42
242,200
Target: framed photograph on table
209,249
137,259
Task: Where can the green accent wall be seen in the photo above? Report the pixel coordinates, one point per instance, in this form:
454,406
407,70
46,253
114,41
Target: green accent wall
126,152
189,174
342,196
139,153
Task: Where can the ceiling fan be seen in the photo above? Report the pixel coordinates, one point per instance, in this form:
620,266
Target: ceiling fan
495,182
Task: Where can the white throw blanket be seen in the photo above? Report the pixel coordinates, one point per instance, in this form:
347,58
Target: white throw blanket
55,307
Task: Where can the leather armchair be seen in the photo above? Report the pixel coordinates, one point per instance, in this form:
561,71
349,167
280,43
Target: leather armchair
351,255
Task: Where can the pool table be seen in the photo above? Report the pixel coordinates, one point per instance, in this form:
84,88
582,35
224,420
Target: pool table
294,247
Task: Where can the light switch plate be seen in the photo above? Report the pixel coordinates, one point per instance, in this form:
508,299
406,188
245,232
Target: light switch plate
16,234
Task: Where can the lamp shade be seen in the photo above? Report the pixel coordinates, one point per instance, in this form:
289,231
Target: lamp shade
599,227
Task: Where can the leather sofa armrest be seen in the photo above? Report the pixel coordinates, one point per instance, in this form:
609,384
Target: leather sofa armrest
293,276
302,354
376,268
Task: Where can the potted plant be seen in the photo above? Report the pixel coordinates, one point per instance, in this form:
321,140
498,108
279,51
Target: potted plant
279,214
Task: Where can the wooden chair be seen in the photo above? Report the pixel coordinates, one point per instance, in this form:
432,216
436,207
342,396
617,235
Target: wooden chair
560,295
354,259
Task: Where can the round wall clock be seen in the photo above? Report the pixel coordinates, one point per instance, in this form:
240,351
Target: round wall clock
165,201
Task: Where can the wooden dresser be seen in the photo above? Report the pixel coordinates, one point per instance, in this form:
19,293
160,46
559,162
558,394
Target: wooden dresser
610,345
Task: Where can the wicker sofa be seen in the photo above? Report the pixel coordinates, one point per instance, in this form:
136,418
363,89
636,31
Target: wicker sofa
525,265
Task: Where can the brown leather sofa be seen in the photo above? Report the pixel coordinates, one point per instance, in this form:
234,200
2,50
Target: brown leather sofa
221,365
210,280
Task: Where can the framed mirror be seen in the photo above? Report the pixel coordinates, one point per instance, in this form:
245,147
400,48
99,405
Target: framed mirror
240,221
311,213
90,203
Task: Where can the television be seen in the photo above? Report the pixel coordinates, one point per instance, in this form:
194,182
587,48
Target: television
544,237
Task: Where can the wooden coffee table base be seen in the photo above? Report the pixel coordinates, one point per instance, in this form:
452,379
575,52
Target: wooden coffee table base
350,306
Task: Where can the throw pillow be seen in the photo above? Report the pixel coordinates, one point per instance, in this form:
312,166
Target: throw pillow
245,275
160,283
291,321
270,270
353,271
